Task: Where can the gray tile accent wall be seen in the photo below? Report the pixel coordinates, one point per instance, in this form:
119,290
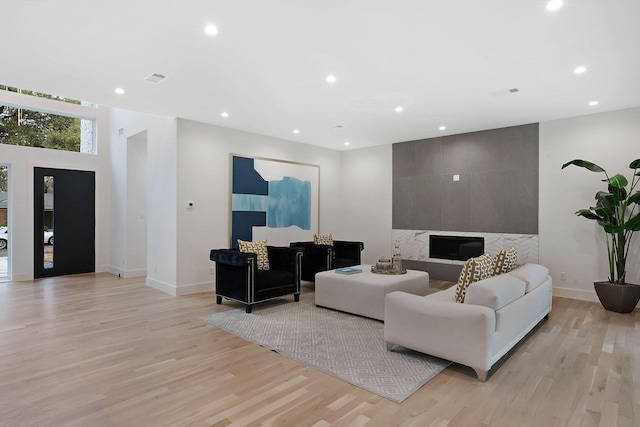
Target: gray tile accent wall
497,191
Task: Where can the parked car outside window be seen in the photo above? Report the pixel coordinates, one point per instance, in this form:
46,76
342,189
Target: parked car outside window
4,237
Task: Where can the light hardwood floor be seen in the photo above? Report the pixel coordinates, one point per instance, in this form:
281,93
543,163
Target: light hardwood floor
95,350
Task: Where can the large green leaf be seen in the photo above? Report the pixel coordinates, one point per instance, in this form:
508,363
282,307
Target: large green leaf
604,212
584,164
612,229
607,199
618,181
587,214
635,164
633,223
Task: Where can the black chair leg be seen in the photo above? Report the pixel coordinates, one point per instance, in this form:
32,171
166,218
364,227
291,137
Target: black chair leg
296,297
248,308
218,299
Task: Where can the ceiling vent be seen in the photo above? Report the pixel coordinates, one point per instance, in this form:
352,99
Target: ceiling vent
155,78
504,92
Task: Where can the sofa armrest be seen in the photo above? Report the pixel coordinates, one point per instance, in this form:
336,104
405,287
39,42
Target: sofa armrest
462,333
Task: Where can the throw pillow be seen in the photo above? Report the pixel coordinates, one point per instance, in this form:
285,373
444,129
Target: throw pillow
504,261
510,259
323,239
474,269
498,263
259,248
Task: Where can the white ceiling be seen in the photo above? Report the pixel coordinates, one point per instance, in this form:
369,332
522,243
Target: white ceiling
442,60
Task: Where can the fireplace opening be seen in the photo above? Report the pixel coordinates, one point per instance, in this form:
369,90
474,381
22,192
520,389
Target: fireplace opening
455,247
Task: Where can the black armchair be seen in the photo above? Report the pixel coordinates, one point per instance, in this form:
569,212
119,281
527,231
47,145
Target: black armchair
326,257
238,277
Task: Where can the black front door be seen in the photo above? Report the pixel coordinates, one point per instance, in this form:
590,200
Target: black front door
64,201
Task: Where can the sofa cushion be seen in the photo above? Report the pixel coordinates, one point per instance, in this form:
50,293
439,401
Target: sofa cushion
259,248
532,274
474,269
504,261
495,292
323,239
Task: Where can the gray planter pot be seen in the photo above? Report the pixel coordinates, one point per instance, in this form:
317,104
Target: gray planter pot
618,298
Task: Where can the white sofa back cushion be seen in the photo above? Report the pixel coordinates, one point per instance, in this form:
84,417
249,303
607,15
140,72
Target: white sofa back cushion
495,292
532,274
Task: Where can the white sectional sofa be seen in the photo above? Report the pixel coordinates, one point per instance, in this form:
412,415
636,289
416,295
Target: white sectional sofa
497,313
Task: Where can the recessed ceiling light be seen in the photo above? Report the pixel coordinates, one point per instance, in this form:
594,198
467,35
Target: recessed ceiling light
442,128
296,131
331,78
346,143
580,70
592,103
224,114
399,109
210,29
554,5
119,91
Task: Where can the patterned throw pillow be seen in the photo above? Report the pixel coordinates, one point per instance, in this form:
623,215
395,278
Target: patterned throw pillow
474,269
510,259
504,261
259,248
323,239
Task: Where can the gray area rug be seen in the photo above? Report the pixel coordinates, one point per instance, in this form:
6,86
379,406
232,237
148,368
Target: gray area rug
349,347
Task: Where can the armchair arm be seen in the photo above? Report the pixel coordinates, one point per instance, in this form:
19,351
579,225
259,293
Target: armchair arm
462,333
311,250
316,258
232,257
235,273
284,258
348,249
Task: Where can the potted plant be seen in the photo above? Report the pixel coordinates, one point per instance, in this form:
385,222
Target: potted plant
615,211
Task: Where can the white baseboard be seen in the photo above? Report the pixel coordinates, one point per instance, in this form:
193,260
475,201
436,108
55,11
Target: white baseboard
167,288
180,290
578,294
21,277
142,272
195,288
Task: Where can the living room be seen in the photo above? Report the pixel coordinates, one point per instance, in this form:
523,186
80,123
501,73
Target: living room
189,161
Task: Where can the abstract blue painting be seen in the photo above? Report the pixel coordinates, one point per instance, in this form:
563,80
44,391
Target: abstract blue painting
274,200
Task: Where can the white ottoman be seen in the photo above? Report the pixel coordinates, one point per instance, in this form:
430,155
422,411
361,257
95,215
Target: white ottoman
363,293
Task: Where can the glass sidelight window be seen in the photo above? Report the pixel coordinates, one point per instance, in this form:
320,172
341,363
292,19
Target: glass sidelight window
4,222
47,220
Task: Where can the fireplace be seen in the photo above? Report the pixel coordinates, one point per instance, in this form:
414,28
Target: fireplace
458,248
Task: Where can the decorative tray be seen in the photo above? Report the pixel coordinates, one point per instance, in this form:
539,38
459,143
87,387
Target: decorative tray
380,271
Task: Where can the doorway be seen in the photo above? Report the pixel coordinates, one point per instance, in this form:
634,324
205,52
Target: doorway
64,222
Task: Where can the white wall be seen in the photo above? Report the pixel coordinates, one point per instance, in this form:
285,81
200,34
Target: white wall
366,200
137,206
22,160
160,244
204,178
569,244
